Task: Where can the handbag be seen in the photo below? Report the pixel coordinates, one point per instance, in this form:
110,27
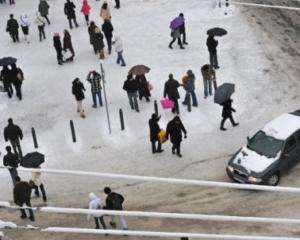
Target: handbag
167,103
162,136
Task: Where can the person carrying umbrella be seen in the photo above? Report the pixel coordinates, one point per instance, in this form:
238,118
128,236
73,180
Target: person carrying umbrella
5,76
143,90
12,27
171,90
131,87
36,183
17,78
212,44
11,161
13,133
154,131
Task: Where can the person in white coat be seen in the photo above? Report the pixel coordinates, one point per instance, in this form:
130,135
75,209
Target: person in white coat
96,204
24,22
119,49
40,22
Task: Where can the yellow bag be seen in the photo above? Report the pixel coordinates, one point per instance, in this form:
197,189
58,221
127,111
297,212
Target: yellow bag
162,136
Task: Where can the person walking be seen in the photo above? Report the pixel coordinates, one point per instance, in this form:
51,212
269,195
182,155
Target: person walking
143,85
22,195
105,11
67,45
24,22
36,183
227,114
189,86
98,43
131,87
154,131
85,9
78,91
17,78
182,30
209,79
69,10
212,44
114,201
174,131
5,76
91,31
11,161
12,27
171,90
96,204
58,48
119,49
40,22
107,29
14,134
94,78
44,10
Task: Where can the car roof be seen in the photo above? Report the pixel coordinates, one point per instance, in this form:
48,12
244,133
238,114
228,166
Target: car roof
283,126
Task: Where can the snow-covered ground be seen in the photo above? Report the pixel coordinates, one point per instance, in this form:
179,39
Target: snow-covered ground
262,92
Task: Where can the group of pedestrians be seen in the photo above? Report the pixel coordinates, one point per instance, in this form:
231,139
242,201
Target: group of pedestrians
11,2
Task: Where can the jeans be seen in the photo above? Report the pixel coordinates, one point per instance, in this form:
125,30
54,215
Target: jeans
208,86
154,149
213,59
13,173
16,145
194,98
133,101
95,95
70,22
42,32
122,221
121,59
101,220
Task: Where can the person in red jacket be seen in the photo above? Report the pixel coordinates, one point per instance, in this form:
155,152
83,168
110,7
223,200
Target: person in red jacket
85,9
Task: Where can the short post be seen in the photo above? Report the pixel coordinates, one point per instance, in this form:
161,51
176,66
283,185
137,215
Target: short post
121,119
35,143
189,107
73,130
156,108
226,6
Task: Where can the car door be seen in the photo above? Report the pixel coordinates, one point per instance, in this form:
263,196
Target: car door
290,153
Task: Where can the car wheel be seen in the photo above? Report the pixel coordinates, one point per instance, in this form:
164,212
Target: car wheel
274,179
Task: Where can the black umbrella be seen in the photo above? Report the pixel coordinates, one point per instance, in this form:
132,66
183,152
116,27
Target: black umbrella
224,92
7,61
217,32
139,70
32,160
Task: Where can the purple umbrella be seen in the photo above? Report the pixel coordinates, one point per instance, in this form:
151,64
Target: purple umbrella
176,22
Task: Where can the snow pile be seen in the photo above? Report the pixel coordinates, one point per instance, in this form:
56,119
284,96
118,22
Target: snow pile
7,225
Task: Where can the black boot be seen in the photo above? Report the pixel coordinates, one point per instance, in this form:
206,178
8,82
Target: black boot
43,192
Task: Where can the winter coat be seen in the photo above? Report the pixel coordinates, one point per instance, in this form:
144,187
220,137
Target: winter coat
95,204
22,193
17,76
67,43
107,29
211,44
40,21
77,90
105,13
118,44
114,201
12,26
44,8
94,79
131,86
190,83
208,73
24,21
154,129
171,89
85,9
11,160
12,132
70,9
143,86
57,43
227,109
97,41
5,77
174,130
91,30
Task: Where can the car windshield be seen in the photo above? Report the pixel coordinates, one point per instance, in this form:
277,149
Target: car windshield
265,145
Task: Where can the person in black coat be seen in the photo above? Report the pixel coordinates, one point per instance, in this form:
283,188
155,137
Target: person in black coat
227,113
69,10
11,161
131,87
78,91
58,48
212,44
171,90
174,130
98,43
22,195
67,45
154,131
13,133
108,29
143,87
5,76
91,31
17,78
12,27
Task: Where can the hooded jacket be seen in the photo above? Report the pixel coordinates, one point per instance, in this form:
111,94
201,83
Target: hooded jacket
95,204
85,9
44,8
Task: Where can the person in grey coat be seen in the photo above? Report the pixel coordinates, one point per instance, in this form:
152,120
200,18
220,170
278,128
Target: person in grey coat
44,10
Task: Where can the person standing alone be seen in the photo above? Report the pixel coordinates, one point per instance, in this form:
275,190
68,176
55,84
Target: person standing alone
14,134
69,10
40,22
94,78
78,91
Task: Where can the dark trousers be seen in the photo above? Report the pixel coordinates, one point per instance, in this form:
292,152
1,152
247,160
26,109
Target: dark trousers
87,19
59,57
47,19
42,32
133,101
178,40
95,95
23,212
11,2
193,96
37,192
213,58
176,147
8,88
175,109
13,173
70,22
101,220
154,149
120,59
117,3
18,90
15,36
224,120
108,40
183,37
16,145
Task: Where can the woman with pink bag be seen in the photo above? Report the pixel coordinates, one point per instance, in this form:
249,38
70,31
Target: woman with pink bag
171,90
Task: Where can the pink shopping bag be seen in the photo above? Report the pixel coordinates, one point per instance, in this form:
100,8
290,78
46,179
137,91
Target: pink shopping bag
167,103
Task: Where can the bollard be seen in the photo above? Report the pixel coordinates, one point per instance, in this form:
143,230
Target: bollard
156,108
121,119
35,143
73,131
189,107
